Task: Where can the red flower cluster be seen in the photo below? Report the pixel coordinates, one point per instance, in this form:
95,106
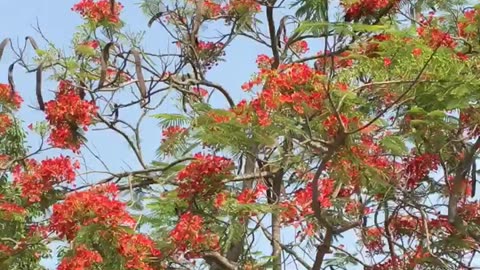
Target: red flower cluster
354,10
209,52
418,167
203,176
99,11
296,86
470,212
172,132
5,123
212,9
40,178
301,204
8,210
242,7
137,249
189,236
83,258
409,260
248,195
404,225
471,18
332,126
469,118
8,98
96,206
67,113
232,8
372,239
94,44
434,36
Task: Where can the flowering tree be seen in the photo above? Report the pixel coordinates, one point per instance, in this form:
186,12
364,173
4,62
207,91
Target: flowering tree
358,154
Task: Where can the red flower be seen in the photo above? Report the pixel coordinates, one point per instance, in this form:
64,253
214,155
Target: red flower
220,200
99,11
8,98
373,240
248,196
242,6
137,249
418,167
204,176
40,178
433,35
209,52
82,258
190,237
387,62
96,206
67,113
94,44
300,47
117,76
5,123
7,209
172,132
417,52
357,9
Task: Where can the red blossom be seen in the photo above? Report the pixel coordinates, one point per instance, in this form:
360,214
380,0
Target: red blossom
299,47
173,132
96,206
433,35
94,44
387,62
190,237
248,195
67,113
354,10
40,178
373,240
8,98
418,167
220,199
470,17
417,52
99,11
297,87
7,209
209,52
204,176
242,6
5,123
82,259
137,249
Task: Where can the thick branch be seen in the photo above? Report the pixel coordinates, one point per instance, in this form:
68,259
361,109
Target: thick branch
217,258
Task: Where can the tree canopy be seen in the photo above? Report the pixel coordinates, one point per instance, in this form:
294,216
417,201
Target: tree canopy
353,145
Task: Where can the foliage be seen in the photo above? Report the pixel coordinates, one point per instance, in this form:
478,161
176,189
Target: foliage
359,154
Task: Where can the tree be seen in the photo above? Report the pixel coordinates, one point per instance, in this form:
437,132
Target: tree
359,156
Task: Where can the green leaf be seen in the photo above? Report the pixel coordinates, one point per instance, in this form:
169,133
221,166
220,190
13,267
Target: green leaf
394,144
85,50
169,120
